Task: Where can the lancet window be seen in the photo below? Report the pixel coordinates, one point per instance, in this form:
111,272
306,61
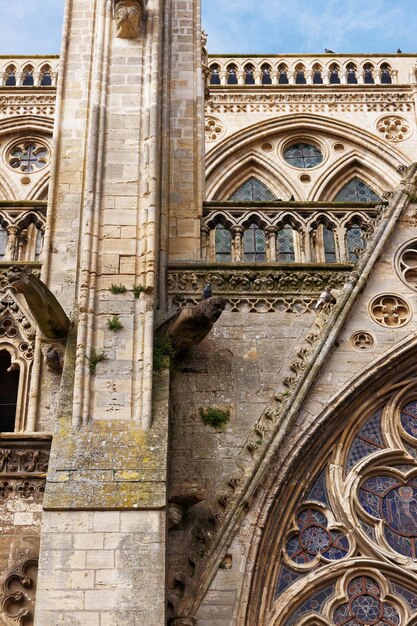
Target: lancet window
231,73
334,74
300,76
317,75
253,190
285,244
9,386
357,190
368,74
215,75
223,243
28,79
10,78
355,527
386,78
266,74
351,74
249,74
355,241
46,76
254,244
283,74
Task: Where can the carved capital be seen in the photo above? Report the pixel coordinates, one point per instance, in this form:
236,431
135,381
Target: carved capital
128,15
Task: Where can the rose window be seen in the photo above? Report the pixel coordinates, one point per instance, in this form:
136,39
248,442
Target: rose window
28,156
303,155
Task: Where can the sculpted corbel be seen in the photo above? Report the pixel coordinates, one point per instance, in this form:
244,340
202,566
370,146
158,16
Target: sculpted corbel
128,15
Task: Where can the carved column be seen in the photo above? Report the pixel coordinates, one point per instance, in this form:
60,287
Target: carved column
271,243
237,243
241,78
205,239
343,78
361,78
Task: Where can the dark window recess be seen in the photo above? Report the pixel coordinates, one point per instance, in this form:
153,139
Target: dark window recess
9,386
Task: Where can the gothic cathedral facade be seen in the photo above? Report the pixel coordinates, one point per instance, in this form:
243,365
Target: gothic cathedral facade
208,330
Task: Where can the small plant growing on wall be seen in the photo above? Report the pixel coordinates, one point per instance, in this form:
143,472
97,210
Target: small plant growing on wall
162,349
115,289
137,290
215,417
94,358
114,323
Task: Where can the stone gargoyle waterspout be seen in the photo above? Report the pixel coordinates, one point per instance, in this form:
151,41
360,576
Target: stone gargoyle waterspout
190,325
45,308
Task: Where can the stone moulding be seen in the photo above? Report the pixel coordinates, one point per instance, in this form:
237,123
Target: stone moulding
27,104
17,600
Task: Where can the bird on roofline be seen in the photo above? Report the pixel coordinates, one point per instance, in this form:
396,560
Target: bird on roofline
326,297
327,51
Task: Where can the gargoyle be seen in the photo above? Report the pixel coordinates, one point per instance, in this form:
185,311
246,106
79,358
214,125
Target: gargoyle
45,308
188,326
128,15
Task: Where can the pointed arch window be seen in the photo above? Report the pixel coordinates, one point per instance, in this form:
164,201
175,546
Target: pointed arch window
254,244
10,77
9,387
283,74
252,191
215,75
368,72
334,74
223,243
266,74
285,244
329,245
351,74
300,77
317,75
249,74
46,77
386,78
355,241
357,190
232,75
28,80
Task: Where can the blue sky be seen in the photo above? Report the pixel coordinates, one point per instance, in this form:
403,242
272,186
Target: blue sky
257,26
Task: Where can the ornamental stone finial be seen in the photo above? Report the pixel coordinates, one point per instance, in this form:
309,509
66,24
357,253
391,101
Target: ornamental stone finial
128,14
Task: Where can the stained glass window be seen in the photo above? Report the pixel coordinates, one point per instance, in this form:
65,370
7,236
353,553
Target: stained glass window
365,606
3,241
303,155
254,244
285,245
252,191
313,605
367,440
357,191
28,157
354,241
315,538
223,243
329,246
409,419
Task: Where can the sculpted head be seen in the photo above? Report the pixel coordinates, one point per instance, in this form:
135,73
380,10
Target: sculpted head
128,15
213,308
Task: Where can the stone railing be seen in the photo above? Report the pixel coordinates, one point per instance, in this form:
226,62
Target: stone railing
28,71
23,465
293,233
325,69
22,229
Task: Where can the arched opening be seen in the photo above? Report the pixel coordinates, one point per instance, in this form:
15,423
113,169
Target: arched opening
283,74
10,76
254,244
357,190
300,77
317,75
223,243
231,75
28,80
249,71
355,241
334,74
9,388
285,244
266,74
386,78
368,74
252,191
351,74
215,75
46,76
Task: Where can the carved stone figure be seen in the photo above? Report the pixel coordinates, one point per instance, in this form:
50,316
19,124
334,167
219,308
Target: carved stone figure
54,357
45,308
128,15
190,325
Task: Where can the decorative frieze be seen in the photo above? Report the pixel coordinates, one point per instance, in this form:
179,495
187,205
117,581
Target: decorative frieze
27,104
309,102
23,466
